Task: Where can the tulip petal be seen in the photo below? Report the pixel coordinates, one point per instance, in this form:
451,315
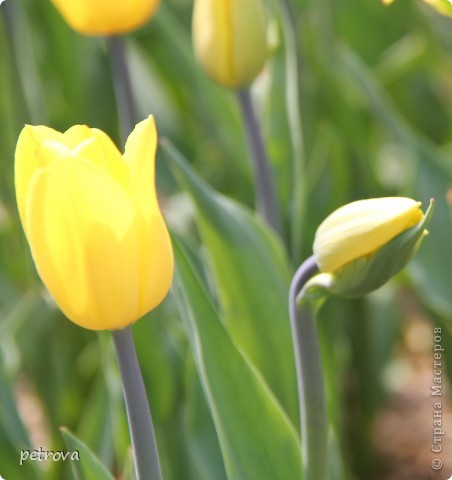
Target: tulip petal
156,263
100,150
249,43
359,228
31,155
76,135
140,156
212,37
83,232
156,250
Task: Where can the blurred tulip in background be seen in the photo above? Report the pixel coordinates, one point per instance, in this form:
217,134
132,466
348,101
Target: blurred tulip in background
229,38
104,17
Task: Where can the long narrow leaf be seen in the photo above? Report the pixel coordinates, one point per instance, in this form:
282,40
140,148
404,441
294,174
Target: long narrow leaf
257,439
252,279
88,467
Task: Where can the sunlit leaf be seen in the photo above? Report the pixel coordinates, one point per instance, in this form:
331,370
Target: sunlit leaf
252,278
88,467
257,439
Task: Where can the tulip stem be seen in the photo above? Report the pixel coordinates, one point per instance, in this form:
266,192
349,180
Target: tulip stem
122,82
266,198
147,465
311,389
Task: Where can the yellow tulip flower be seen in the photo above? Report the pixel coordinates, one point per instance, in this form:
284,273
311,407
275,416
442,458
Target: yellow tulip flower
93,223
229,38
360,228
106,17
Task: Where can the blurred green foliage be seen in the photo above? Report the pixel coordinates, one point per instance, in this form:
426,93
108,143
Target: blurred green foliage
376,109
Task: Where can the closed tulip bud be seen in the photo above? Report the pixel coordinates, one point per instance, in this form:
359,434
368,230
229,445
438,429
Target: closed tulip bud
229,38
106,17
360,246
93,223
360,228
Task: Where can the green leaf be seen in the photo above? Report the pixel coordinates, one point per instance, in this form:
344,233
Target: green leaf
157,365
442,6
256,437
95,423
202,440
252,278
11,421
88,467
430,270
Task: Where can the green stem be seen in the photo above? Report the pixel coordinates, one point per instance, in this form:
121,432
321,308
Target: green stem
125,100
147,465
311,389
266,198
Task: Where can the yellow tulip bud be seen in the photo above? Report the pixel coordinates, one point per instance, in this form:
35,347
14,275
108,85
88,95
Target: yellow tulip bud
106,17
229,38
360,228
93,223
360,246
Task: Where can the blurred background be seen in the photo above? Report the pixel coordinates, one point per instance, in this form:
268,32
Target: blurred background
375,96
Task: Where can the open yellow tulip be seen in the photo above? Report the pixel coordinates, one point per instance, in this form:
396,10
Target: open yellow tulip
229,38
106,17
360,228
93,223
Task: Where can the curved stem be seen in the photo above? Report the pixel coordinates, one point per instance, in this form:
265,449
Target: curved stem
311,390
125,101
266,198
147,465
